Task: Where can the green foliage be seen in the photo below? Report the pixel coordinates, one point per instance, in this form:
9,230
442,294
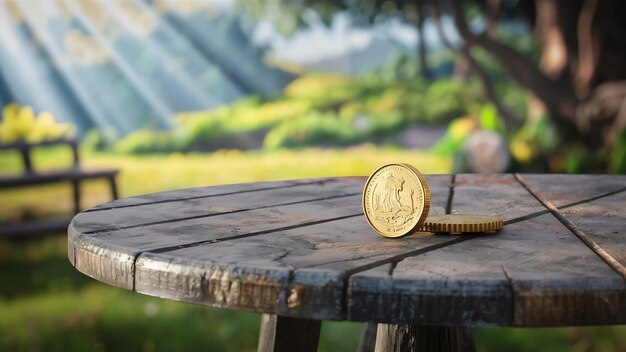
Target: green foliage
313,128
489,119
315,109
458,130
514,97
617,155
448,99
147,141
525,43
99,139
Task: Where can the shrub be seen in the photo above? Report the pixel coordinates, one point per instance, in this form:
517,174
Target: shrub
148,141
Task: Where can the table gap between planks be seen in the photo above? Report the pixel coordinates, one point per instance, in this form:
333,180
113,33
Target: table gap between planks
301,252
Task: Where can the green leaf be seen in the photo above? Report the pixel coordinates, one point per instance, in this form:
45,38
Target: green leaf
489,118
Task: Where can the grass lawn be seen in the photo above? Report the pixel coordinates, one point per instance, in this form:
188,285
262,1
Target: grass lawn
153,173
46,305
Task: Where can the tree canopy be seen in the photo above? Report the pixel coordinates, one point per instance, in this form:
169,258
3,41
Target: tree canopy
578,81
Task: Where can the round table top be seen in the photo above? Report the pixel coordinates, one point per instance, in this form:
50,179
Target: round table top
302,248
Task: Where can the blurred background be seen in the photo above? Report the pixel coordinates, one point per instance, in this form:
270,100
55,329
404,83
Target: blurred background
189,93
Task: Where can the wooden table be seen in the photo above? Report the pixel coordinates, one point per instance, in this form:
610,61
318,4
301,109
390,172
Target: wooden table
301,252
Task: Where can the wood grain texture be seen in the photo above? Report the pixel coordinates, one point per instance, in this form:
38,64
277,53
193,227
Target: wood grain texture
178,210
201,192
615,246
604,221
305,251
439,190
319,259
94,223
499,195
411,338
131,242
281,334
314,262
533,273
562,190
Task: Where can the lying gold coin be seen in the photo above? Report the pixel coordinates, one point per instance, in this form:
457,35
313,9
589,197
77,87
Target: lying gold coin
396,200
462,223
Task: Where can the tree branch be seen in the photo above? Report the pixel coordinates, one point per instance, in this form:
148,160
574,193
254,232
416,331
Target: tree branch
560,100
423,51
508,117
587,54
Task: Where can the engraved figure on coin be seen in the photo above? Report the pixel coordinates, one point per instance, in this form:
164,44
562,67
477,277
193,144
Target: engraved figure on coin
391,197
389,207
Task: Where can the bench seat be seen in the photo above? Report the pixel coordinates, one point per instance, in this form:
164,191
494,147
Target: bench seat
34,227
75,173
31,177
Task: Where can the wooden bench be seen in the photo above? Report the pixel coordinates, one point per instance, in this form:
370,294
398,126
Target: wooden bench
31,177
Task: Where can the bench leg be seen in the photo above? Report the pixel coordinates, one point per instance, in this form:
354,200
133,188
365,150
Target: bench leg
288,334
76,195
113,185
396,338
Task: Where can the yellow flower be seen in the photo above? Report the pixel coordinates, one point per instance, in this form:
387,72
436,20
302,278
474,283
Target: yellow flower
10,112
7,133
25,121
461,128
521,150
46,118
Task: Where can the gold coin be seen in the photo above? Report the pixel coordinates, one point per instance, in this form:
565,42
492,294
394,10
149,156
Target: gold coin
396,200
462,223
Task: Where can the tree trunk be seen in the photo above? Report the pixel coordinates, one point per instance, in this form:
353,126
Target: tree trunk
558,97
422,49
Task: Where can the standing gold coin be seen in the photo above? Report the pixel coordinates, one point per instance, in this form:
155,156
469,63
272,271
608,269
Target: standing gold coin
396,200
462,223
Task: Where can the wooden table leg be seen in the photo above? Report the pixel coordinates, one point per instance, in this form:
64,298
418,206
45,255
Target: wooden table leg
396,338
368,339
288,334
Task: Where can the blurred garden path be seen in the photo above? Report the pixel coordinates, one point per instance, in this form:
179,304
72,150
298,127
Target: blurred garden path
418,136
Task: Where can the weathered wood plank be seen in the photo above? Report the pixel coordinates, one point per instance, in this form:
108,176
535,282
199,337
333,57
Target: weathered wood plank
147,214
219,284
104,262
562,190
439,190
283,334
131,242
534,273
604,221
614,257
200,192
559,281
319,257
373,293
493,279
496,194
135,240
428,292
